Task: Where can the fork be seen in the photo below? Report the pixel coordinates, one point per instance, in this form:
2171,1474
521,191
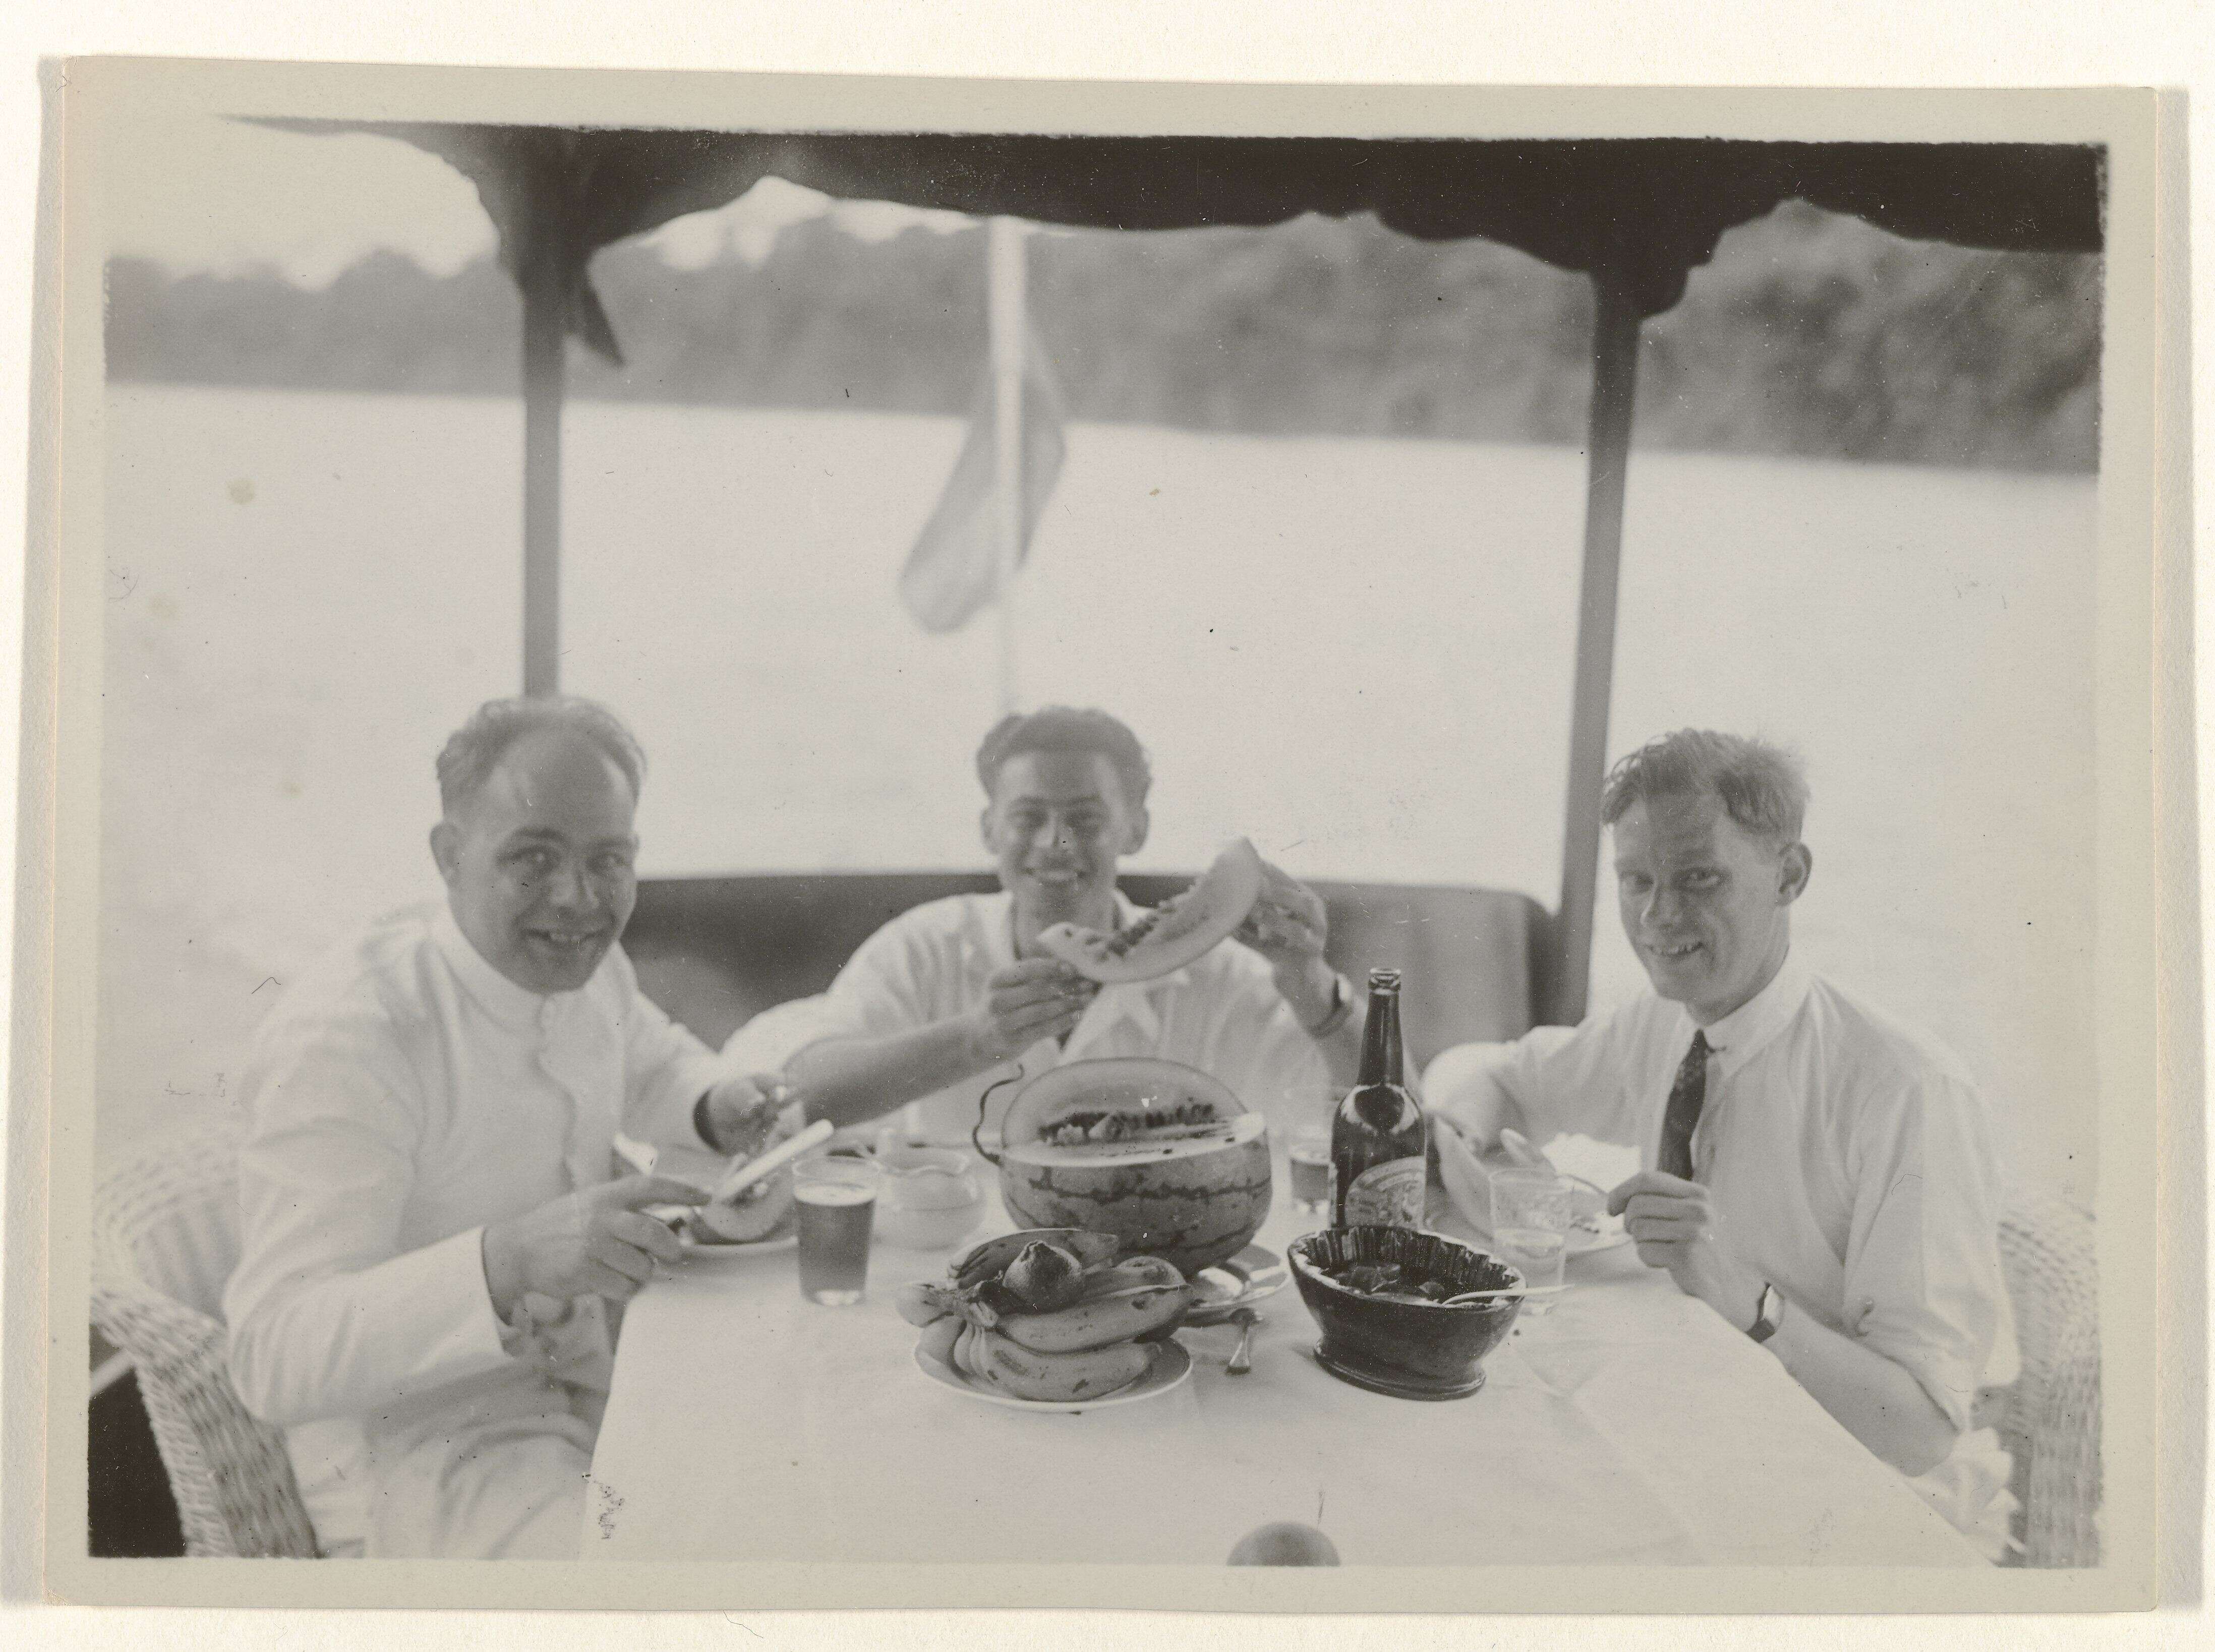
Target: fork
1242,1357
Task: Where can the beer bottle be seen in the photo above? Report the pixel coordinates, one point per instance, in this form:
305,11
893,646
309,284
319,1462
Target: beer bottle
1376,1137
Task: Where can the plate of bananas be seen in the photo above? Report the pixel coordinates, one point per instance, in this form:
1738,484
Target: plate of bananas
1167,1367
1049,1319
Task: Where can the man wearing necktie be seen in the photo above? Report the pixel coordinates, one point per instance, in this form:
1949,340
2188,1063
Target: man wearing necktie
1818,1173
432,1245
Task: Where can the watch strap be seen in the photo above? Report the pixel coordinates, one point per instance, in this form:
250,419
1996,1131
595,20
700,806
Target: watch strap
1342,1006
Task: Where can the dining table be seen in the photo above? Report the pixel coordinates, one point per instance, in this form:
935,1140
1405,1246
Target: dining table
1626,1424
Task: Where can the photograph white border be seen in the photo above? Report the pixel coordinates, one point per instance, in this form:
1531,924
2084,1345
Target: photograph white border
102,92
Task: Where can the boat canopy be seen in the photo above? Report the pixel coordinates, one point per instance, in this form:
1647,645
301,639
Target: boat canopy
1638,214
1634,215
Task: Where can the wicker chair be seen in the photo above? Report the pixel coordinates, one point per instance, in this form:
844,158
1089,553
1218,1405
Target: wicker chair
2050,1420
165,1239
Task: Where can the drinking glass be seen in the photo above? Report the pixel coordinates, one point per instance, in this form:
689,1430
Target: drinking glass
838,1201
1530,1223
1308,1159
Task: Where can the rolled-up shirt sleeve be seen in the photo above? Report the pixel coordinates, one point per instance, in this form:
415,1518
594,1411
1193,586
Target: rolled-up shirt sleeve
327,1316
1922,1270
771,1039
888,987
1561,1081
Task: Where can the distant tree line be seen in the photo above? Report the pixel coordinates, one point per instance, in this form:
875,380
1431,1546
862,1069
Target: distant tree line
1808,334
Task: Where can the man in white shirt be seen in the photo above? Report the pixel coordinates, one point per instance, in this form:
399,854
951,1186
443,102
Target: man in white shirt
430,1239
949,1000
1817,1172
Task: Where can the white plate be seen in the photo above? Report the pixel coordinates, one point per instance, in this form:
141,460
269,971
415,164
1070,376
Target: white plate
1171,1369
1598,1231
1251,1274
697,1252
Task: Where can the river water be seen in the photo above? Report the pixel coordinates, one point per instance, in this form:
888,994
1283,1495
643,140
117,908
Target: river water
1356,652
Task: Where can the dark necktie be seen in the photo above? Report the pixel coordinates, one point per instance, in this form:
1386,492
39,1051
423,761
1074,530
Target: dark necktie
1686,1096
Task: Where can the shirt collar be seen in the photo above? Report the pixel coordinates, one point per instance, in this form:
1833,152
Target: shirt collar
1739,1035
511,1005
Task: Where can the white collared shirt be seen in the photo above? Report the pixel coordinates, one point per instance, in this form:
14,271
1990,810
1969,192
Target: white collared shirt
1849,1156
402,1095
1221,1013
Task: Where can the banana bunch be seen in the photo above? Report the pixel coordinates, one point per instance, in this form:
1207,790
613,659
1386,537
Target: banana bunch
1049,1314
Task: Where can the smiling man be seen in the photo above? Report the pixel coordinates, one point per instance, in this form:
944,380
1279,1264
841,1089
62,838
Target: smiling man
430,1233
947,1000
1818,1173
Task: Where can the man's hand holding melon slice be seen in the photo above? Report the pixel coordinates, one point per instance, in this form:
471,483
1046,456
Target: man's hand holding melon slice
745,1118
1240,898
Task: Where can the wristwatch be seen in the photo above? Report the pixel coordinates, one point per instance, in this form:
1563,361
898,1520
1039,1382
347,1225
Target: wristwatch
1771,1316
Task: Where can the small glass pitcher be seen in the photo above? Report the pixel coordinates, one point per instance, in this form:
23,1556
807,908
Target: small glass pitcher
931,1200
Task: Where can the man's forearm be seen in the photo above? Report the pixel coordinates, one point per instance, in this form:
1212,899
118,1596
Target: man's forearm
852,1080
1482,1110
1341,1049
352,1342
1877,1401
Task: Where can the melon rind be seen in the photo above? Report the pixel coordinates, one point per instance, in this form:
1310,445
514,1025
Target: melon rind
1194,1207
1241,1129
1119,1082
755,1215
1221,899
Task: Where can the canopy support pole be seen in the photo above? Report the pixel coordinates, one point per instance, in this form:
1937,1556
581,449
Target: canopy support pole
1615,321
544,305
1007,301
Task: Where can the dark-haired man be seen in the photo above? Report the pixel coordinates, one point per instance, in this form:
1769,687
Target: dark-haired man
1817,1172
430,1234
947,999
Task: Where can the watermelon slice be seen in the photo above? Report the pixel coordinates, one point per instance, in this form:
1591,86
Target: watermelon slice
1163,941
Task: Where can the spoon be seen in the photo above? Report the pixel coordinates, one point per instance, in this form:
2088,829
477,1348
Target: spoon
1242,1358
1493,1296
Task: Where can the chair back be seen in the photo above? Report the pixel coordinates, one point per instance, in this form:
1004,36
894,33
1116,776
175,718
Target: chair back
715,952
169,1217
2051,1422
164,1241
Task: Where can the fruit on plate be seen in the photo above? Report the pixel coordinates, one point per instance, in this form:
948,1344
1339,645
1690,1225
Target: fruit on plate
1055,1378
1133,1273
989,1260
1044,1276
1160,1155
1100,1321
1093,1339
940,1335
926,1303
753,1214
1172,935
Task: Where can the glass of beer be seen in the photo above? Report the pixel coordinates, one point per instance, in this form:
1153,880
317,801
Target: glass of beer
1309,1157
838,1202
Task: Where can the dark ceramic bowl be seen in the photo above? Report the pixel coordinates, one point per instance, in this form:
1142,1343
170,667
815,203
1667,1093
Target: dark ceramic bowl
1405,1345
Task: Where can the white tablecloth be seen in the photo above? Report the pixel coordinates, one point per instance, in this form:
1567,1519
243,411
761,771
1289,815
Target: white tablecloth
1629,1426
